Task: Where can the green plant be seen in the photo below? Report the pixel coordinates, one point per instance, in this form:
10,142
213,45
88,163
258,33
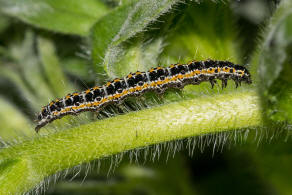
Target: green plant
135,35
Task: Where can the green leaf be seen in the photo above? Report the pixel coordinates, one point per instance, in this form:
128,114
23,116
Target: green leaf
65,16
275,68
110,32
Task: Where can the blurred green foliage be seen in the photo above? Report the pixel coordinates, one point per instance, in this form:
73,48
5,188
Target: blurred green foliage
275,66
51,48
56,15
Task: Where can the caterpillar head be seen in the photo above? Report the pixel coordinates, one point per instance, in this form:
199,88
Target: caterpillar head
243,73
246,76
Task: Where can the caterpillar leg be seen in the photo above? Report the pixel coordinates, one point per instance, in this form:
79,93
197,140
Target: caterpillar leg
224,83
213,82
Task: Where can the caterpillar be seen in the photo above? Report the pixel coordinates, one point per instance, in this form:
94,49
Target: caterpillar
135,84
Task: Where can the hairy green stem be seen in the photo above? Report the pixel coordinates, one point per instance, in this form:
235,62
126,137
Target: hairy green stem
26,164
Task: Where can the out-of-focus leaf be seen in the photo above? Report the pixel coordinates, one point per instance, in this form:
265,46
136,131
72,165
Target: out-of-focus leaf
25,71
122,24
205,30
139,56
4,22
78,68
275,66
38,78
52,69
273,162
13,123
65,16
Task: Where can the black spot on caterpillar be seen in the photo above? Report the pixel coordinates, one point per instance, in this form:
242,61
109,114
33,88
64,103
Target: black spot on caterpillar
135,84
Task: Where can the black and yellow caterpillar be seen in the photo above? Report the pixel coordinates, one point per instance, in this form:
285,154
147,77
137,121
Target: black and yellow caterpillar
135,84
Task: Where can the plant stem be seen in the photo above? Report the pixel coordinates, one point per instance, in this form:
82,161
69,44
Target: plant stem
24,165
